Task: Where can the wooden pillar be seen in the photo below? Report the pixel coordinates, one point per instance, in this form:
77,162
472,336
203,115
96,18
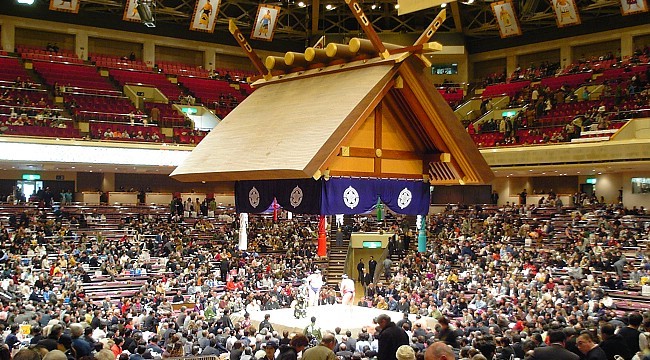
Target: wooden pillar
315,13
566,56
378,138
149,53
81,44
511,64
627,45
8,36
108,182
209,59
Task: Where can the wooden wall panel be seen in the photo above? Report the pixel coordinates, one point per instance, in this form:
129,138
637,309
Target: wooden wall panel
401,166
365,136
184,56
596,49
40,38
114,47
550,56
163,183
482,69
461,194
89,181
353,164
641,42
234,62
394,137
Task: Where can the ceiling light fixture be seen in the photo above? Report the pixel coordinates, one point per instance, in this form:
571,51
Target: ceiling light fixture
145,9
443,5
26,2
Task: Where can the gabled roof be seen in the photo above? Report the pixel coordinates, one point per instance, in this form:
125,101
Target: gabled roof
294,125
288,127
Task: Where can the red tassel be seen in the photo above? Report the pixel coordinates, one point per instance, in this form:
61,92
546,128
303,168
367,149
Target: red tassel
322,237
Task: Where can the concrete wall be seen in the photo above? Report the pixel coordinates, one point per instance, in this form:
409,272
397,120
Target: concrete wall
571,48
607,186
81,38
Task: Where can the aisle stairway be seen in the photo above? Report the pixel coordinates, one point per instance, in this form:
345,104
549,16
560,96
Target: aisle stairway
413,247
337,254
336,258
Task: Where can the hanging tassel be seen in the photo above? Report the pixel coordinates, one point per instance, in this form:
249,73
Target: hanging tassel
322,237
243,231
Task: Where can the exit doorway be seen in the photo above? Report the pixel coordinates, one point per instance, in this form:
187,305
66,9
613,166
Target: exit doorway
29,187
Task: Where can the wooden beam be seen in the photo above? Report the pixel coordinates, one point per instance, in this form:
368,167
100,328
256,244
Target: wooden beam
315,13
414,136
418,118
455,12
431,29
418,49
248,49
357,152
437,114
378,135
373,174
366,25
358,117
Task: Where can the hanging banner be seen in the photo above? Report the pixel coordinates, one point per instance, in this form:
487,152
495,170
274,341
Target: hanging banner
357,196
348,196
265,21
506,17
566,12
302,196
131,11
409,197
253,196
205,15
71,6
629,7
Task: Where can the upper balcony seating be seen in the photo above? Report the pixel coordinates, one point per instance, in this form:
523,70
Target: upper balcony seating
159,81
233,75
114,62
573,80
453,96
73,76
188,136
509,89
34,53
11,69
138,133
624,73
20,97
180,69
104,108
215,94
169,117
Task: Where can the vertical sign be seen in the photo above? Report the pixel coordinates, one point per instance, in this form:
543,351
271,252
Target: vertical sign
265,21
506,17
205,15
71,6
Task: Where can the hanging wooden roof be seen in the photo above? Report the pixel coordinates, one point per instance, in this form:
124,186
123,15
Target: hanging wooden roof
299,125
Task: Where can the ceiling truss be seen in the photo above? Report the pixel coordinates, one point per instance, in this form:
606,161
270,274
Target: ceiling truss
334,18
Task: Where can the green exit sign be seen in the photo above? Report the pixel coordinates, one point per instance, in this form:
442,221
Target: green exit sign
372,244
31,177
189,110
